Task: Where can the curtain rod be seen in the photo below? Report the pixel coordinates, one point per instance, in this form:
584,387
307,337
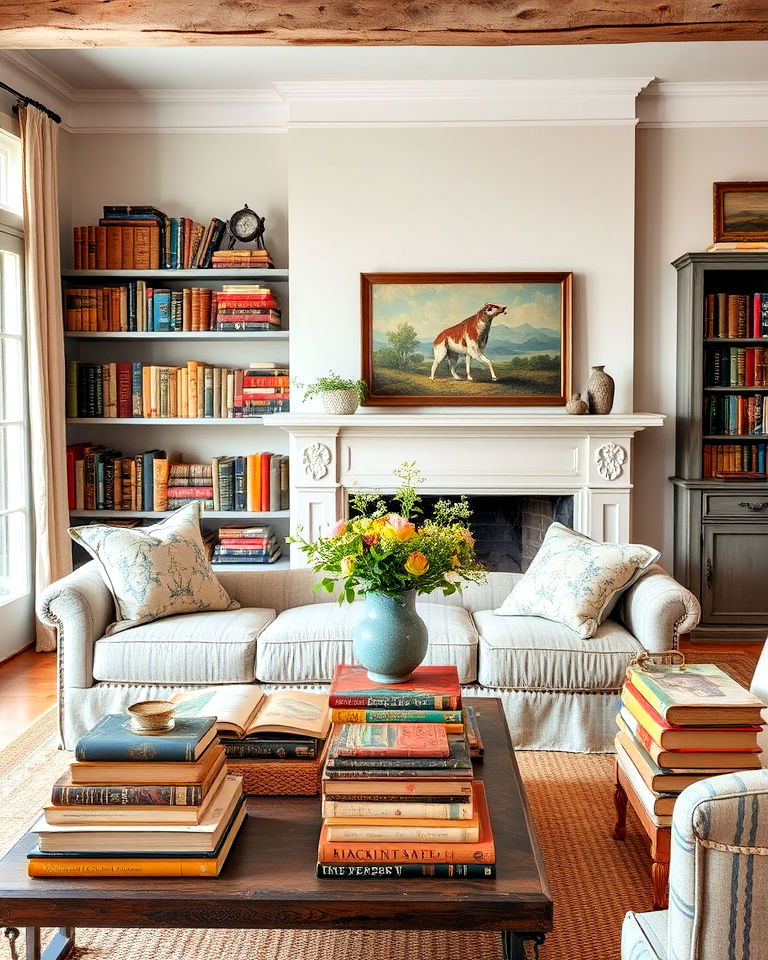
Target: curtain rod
24,101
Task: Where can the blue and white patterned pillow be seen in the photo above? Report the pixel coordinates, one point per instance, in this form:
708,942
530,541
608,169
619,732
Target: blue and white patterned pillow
156,571
576,581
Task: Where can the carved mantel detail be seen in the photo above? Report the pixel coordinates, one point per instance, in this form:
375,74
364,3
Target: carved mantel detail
315,460
610,460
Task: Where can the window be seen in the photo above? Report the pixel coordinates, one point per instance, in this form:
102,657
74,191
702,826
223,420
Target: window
10,174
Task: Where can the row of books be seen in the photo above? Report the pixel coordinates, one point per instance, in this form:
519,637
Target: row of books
197,390
247,545
252,259
724,458
144,238
728,315
135,307
99,478
735,415
399,794
679,725
737,367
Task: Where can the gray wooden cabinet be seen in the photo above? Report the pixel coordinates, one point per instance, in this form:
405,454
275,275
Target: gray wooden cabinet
721,526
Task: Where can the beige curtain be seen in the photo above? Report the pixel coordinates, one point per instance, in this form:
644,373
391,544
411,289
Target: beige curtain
45,354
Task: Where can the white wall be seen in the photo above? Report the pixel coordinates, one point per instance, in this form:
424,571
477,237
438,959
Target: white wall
462,198
676,168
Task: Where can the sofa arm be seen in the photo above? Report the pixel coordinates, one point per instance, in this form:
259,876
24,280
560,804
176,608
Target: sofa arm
657,609
80,607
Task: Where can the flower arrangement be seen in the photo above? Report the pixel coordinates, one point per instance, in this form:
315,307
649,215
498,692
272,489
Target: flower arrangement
381,551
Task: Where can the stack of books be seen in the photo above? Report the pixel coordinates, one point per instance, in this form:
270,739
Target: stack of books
136,805
244,545
399,795
275,742
266,388
245,306
252,259
135,307
680,725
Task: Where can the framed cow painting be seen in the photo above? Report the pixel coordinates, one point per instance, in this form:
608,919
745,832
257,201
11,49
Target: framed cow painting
466,339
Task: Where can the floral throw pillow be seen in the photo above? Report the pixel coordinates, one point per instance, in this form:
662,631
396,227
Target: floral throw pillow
156,571
576,581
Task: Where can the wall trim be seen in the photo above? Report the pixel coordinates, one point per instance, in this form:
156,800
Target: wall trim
726,104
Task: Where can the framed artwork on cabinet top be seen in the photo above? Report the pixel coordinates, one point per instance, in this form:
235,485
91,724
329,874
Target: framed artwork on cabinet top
466,339
740,211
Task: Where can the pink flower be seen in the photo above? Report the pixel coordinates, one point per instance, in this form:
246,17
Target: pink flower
338,528
398,528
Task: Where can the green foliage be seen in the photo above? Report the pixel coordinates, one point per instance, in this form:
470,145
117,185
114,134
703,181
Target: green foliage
535,361
402,352
333,381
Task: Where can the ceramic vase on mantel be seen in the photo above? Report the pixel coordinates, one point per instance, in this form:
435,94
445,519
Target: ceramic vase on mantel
390,640
600,389
340,401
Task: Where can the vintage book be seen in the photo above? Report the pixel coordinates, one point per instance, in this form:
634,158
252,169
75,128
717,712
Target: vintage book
473,735
689,758
697,694
656,779
458,759
430,688
159,865
402,830
412,809
351,851
348,715
112,739
244,711
62,814
202,837
265,746
139,773
658,806
676,738
435,775
390,740
65,793
377,871
394,789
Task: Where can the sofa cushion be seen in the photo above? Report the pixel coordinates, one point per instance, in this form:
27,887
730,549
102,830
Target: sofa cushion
304,644
193,648
530,653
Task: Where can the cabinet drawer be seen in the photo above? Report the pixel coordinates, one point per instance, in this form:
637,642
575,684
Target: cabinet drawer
754,505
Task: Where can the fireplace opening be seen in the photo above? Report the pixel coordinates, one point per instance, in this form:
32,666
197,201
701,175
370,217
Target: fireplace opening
508,530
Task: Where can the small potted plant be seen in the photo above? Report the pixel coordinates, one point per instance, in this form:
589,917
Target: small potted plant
339,395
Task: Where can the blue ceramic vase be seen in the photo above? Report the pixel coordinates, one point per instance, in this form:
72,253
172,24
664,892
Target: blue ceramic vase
390,640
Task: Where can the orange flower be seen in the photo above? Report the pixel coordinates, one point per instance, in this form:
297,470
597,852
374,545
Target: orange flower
466,536
417,564
338,528
455,562
398,528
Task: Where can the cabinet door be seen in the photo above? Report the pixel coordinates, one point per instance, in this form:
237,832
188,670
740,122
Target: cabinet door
734,573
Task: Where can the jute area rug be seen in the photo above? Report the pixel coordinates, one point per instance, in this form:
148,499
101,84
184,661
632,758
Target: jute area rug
594,880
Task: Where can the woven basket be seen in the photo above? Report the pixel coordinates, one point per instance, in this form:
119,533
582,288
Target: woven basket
340,401
280,778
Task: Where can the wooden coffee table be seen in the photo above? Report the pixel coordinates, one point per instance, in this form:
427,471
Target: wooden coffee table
269,879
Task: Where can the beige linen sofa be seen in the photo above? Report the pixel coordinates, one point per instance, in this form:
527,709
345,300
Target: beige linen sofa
559,692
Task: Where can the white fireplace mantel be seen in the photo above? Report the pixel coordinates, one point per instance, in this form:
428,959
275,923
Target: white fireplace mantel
587,457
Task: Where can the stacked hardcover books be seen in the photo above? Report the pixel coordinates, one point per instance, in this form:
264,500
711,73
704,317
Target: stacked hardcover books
140,805
275,742
251,259
247,545
678,725
245,306
399,796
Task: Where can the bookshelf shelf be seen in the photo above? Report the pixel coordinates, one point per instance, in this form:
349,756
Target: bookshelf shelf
735,389
282,564
212,274
272,335
207,514
168,421
735,437
746,340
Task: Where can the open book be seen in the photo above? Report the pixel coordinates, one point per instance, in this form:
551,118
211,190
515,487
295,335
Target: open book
246,711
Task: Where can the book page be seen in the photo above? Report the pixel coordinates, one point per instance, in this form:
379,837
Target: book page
293,711
234,706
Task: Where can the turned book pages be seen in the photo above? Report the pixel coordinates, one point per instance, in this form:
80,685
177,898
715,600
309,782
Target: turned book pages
246,711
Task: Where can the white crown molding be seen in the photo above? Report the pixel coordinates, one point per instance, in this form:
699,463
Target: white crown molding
23,72
727,104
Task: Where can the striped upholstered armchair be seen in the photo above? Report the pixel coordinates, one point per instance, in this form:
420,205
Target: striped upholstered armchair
718,879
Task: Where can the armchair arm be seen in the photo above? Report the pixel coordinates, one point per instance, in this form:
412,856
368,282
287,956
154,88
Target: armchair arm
657,609
719,867
80,607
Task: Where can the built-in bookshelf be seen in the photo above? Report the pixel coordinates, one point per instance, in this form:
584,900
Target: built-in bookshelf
193,439
721,485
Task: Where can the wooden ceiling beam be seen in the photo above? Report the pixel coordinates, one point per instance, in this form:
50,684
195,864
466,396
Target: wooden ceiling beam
145,23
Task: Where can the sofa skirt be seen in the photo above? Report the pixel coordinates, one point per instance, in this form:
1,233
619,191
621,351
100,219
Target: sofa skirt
573,722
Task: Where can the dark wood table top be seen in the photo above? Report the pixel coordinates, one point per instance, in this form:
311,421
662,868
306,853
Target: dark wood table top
269,878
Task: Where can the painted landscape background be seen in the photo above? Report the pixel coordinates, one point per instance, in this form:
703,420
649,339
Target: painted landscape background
524,344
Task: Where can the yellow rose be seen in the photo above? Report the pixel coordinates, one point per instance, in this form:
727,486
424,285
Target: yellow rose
398,528
347,565
417,563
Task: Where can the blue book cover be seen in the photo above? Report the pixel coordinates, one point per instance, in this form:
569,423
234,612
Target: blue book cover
761,458
161,310
175,225
113,740
150,310
733,413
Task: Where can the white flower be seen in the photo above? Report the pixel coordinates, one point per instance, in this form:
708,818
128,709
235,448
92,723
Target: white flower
451,576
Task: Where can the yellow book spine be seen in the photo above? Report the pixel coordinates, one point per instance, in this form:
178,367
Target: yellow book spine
646,721
253,476
146,380
160,867
639,683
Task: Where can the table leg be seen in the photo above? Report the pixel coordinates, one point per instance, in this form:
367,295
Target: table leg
60,946
520,946
620,802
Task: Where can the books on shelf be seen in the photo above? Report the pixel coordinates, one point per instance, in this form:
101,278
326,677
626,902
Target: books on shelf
735,414
247,545
255,258
196,390
679,725
735,459
99,478
735,316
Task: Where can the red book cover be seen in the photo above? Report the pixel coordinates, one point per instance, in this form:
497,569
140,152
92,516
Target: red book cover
749,368
75,452
244,542
124,385
266,462
191,493
430,688
390,740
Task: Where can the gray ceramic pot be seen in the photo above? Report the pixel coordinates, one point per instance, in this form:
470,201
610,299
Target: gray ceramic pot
390,640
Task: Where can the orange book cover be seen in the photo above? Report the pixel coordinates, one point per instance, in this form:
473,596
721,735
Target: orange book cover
351,851
114,247
141,255
160,483
253,483
266,462
101,248
91,247
186,309
390,740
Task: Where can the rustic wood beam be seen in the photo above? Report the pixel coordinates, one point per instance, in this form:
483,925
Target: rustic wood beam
78,23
